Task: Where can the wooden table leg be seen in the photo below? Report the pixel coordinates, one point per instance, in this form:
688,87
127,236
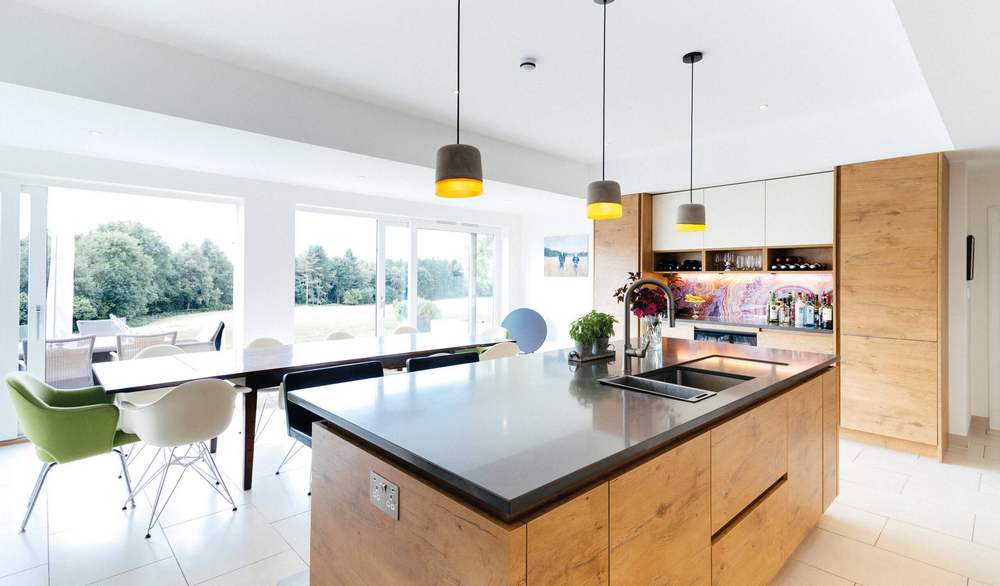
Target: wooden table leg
249,427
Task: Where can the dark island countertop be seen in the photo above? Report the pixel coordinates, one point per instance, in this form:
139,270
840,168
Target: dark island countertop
513,435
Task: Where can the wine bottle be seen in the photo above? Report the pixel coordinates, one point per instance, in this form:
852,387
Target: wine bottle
809,310
827,314
772,310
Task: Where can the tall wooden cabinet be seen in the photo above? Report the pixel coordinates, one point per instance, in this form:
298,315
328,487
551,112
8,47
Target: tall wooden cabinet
621,246
892,310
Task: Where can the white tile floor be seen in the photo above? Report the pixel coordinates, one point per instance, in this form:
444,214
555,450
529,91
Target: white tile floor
900,520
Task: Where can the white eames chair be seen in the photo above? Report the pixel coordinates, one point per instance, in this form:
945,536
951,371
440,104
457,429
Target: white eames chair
152,395
339,336
178,425
495,332
405,330
501,350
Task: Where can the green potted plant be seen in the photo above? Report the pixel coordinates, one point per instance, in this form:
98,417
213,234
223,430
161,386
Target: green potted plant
591,333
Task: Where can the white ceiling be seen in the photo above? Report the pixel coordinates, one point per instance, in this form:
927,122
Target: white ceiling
959,53
830,64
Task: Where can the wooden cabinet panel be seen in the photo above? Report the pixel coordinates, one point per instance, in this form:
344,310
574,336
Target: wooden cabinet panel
660,519
665,235
435,541
799,210
803,342
616,253
569,544
751,551
734,216
888,248
831,436
749,453
805,460
889,387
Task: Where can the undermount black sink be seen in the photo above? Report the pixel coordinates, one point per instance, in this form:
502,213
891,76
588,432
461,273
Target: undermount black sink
678,382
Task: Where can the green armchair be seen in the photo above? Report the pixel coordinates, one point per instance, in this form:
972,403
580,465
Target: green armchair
66,425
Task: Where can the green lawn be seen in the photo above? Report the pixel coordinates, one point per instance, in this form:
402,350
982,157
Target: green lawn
315,322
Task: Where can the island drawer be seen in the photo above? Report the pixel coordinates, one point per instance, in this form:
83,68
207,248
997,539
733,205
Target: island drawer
749,454
752,549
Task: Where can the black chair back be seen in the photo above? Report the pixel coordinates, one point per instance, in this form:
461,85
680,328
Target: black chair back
439,360
217,337
299,420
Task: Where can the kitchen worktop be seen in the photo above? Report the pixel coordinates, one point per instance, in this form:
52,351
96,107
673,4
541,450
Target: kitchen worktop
749,322
513,435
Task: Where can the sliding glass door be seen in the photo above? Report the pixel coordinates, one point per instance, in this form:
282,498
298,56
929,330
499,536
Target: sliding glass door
368,275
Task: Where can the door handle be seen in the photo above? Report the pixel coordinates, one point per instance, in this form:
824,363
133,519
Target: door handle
38,322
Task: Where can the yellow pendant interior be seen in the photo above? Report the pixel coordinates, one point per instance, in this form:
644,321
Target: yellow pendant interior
604,210
458,187
690,227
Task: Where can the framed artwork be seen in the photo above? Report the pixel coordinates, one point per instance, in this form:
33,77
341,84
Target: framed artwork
567,256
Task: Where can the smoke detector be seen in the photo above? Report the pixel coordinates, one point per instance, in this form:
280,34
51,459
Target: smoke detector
528,64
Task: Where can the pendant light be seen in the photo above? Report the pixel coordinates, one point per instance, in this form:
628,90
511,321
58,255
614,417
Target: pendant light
604,198
459,169
691,216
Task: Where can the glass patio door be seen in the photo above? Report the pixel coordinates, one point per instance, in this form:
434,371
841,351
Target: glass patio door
396,276
34,265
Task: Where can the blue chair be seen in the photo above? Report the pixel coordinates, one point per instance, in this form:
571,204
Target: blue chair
299,421
527,328
440,360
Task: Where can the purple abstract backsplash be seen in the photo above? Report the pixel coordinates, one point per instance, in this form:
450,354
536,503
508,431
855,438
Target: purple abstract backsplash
736,297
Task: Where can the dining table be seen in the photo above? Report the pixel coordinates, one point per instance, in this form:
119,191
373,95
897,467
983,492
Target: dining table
262,368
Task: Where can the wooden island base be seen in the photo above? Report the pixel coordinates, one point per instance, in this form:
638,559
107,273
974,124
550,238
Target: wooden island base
725,507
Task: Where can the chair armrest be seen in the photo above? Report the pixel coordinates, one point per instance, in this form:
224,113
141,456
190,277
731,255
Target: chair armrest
82,397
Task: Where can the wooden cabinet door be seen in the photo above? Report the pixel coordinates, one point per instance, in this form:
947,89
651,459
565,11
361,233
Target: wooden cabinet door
751,551
661,519
665,234
831,436
805,461
749,454
799,210
569,544
888,248
734,216
616,253
889,387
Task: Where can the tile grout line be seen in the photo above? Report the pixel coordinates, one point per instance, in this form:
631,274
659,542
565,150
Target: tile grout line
99,580
925,562
827,572
241,568
173,553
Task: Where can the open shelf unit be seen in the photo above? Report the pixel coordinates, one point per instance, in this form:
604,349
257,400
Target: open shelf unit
712,260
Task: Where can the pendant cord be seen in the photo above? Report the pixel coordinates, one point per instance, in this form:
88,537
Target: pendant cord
458,75
604,84
691,144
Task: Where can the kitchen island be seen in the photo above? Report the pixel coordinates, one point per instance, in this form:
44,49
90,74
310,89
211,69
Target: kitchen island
530,470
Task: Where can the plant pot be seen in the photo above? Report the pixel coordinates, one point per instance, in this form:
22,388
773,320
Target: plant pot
583,350
600,346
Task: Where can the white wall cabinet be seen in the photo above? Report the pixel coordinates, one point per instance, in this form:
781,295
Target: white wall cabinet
799,210
734,216
665,235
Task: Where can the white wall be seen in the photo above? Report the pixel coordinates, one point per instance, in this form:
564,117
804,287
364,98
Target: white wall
560,300
983,193
959,398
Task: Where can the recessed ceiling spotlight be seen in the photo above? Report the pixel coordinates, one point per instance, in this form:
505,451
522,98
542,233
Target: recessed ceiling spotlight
528,64
96,133
362,177
454,92
762,107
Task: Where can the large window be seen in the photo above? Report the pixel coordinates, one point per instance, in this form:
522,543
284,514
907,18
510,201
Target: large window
366,275
160,263
334,275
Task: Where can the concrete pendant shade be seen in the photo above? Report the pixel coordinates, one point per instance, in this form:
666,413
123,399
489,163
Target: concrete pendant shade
459,171
691,217
604,200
